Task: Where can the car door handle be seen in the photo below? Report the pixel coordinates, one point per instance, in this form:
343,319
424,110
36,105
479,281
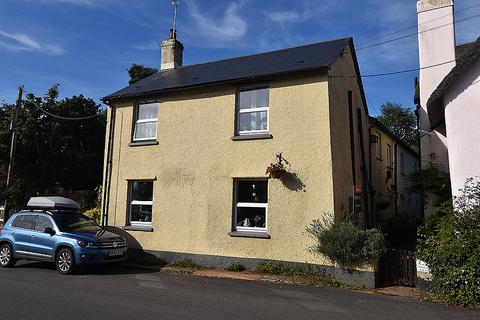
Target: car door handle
33,236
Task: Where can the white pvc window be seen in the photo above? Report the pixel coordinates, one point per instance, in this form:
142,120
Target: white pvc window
146,123
141,203
252,114
251,205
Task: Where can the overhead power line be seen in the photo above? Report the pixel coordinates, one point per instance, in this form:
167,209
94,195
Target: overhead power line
417,33
416,25
60,117
404,71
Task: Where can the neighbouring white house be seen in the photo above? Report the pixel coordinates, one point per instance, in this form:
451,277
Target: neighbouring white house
449,92
455,106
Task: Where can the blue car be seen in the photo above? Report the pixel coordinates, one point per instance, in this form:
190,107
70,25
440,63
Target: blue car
52,229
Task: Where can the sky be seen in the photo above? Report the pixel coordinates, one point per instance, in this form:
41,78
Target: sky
87,46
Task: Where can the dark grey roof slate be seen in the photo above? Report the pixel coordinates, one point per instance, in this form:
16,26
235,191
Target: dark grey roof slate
308,57
467,55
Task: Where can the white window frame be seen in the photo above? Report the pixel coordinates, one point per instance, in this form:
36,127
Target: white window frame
253,110
140,121
138,202
249,205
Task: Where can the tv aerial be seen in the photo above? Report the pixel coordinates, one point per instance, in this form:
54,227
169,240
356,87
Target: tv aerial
175,4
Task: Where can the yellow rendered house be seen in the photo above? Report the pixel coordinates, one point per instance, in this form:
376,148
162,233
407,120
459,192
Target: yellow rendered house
189,147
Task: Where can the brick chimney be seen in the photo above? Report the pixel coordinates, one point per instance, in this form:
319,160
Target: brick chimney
172,52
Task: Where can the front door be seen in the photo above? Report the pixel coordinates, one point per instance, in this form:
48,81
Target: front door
43,243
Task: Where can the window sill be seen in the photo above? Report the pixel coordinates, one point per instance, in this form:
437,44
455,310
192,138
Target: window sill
246,234
143,143
138,228
262,136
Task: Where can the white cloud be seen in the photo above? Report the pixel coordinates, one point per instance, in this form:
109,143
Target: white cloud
283,17
23,42
152,45
218,32
81,3
307,11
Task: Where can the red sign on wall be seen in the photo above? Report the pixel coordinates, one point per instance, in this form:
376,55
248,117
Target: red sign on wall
357,190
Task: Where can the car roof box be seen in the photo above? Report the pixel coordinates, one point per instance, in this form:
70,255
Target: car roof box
51,203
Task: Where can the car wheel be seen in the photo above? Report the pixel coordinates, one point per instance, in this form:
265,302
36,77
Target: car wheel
64,261
6,256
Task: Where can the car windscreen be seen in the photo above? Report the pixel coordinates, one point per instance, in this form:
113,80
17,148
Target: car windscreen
69,221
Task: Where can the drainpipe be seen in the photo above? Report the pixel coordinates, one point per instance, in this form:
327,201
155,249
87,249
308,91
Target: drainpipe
365,183
372,189
352,137
108,169
395,170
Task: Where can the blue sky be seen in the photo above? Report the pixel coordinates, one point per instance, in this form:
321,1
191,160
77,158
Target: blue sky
87,45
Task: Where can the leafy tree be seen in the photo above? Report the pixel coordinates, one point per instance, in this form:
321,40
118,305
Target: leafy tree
138,72
434,186
53,156
401,121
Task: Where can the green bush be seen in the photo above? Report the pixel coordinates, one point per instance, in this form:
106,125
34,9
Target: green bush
345,243
450,245
235,267
93,214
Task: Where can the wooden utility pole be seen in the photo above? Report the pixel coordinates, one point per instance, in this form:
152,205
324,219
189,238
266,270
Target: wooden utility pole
13,148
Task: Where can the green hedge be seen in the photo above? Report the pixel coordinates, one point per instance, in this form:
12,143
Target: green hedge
451,248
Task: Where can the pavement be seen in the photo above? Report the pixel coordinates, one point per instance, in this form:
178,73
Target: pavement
37,291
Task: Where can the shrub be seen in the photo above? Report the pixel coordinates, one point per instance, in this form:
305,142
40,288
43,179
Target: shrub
345,243
93,214
235,267
450,245
96,212
185,263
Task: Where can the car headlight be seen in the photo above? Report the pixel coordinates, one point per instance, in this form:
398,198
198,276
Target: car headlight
84,244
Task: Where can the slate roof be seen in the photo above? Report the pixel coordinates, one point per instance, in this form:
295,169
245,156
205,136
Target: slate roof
309,57
467,55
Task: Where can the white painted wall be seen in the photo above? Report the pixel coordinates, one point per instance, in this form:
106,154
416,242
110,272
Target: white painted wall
436,41
462,117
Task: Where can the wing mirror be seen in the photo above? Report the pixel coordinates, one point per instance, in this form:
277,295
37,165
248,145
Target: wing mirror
49,230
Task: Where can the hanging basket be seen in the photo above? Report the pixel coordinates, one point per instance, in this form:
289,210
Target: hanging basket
276,171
